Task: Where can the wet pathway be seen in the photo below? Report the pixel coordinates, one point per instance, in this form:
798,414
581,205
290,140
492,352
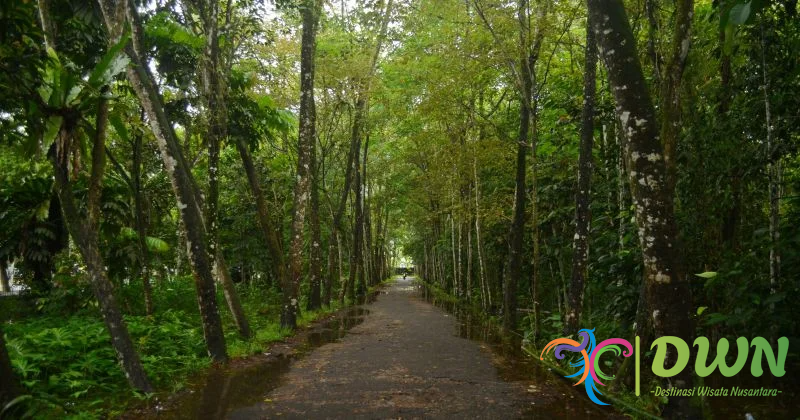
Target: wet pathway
404,361
399,357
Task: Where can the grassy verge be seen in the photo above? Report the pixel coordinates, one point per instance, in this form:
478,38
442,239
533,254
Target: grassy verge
70,370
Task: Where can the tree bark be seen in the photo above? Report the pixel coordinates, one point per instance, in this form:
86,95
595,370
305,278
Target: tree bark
115,13
214,92
86,237
666,287
269,227
525,90
356,255
315,275
774,174
671,87
306,140
583,216
141,224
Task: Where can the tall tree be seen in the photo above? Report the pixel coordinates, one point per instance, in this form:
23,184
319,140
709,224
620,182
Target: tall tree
358,128
583,215
214,90
315,265
671,81
115,15
306,140
666,288
85,230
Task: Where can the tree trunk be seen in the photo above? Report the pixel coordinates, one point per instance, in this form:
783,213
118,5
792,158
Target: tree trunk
671,88
516,233
183,184
269,228
333,268
486,296
214,92
356,255
774,174
583,216
315,275
535,280
666,287
731,222
306,140
141,226
366,229
85,235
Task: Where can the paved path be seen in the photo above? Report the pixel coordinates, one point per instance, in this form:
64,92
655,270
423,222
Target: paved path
406,361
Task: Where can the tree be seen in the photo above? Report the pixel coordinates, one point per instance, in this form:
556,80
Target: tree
115,14
583,216
666,289
306,141
215,94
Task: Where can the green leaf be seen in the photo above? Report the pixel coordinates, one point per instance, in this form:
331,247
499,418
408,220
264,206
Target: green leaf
128,233
51,130
707,274
119,126
740,13
112,64
156,245
701,309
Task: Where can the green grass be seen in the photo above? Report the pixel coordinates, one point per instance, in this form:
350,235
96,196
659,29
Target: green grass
68,366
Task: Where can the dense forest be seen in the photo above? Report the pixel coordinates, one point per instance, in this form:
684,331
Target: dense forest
183,182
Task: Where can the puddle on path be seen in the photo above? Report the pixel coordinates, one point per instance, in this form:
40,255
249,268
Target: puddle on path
222,389
552,396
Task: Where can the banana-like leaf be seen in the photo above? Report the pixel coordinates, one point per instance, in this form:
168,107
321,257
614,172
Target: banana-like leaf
154,245
113,63
119,126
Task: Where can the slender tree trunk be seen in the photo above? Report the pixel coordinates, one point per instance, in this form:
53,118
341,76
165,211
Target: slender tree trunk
671,87
774,174
455,284
356,256
535,280
583,217
518,219
730,227
333,269
114,14
486,296
621,189
214,90
366,229
666,287
141,224
231,296
315,275
469,262
85,235
269,227
306,140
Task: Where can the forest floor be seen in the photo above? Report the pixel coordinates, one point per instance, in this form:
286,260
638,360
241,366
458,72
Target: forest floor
402,358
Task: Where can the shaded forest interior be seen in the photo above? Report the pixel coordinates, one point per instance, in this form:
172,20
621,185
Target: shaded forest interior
185,182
